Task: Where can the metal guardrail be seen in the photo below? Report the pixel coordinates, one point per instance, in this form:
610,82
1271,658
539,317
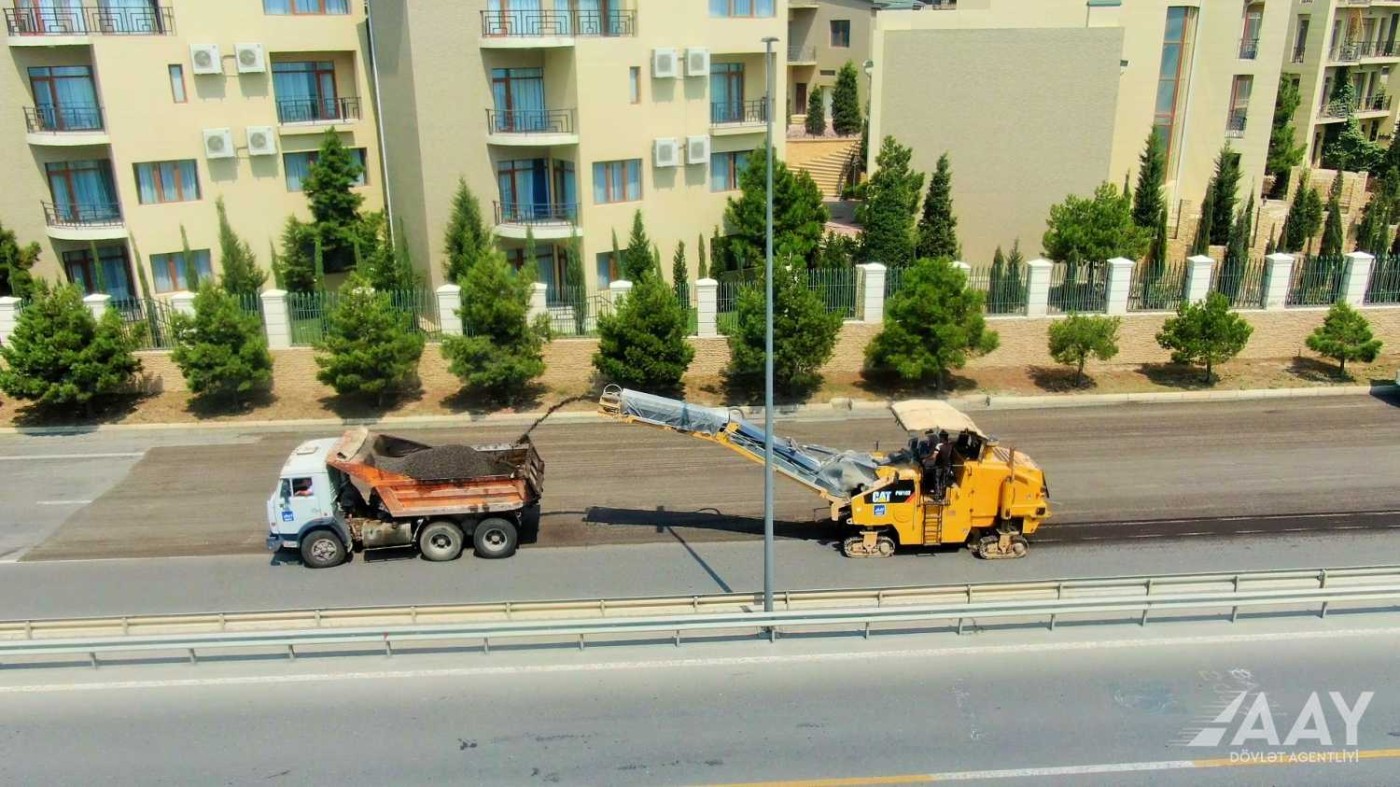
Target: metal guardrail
575,621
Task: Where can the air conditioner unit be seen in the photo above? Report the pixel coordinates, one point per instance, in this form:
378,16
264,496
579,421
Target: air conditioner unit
666,152
697,62
250,58
205,59
697,150
262,141
663,64
218,143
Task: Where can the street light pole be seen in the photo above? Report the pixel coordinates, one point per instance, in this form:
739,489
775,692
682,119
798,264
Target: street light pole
768,338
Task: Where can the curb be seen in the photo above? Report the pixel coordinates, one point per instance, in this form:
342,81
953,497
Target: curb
838,409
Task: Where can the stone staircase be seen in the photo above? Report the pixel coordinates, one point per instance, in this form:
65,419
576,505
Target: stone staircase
826,170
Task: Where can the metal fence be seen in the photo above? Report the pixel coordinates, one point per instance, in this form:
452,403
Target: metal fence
310,313
1157,289
1384,286
1078,287
573,312
148,323
1316,281
1241,282
837,289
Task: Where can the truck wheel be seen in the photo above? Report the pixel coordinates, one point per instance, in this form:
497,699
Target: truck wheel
440,541
495,538
322,549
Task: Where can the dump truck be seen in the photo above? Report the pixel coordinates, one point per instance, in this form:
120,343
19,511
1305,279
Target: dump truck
366,490
951,484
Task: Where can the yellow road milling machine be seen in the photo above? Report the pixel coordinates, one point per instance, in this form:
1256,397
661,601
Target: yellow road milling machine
950,484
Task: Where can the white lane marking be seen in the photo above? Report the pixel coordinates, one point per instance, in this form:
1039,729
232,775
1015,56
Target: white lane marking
719,661
71,457
62,502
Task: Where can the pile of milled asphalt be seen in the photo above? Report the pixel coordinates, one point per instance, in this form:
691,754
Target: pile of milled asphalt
445,463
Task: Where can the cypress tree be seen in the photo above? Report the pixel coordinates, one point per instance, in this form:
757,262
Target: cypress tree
1332,232
1204,230
1227,183
241,273
1152,173
845,102
937,229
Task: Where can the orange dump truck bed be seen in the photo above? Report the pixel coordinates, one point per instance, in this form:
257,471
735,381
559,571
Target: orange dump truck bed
411,479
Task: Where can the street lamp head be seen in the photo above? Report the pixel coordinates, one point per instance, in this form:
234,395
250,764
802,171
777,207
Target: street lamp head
770,40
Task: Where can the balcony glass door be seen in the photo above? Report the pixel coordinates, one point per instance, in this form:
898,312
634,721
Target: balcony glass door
305,91
524,187
83,192
82,270
726,92
65,98
519,97
565,191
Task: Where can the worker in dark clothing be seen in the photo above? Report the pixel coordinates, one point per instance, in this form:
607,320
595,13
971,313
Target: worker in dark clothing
942,466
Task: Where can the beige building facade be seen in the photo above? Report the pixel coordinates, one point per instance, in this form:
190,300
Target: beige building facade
822,36
123,121
566,118
1038,99
1328,40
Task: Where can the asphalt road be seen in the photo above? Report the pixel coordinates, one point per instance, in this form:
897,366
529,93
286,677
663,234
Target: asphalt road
1116,706
202,493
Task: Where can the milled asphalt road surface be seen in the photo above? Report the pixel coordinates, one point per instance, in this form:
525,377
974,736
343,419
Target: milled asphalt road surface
1107,705
203,493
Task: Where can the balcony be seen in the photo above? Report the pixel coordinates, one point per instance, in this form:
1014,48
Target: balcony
1356,51
1249,48
313,114
531,29
56,26
65,126
738,117
1371,106
802,55
1299,54
85,221
530,127
1235,123
542,220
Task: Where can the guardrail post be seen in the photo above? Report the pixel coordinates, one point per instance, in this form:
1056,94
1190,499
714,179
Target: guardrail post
1356,277
97,303
707,308
9,317
1198,273
1038,288
1120,284
539,300
277,318
1278,275
870,292
449,301
183,302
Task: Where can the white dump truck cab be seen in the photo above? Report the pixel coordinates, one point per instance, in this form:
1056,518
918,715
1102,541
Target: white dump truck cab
304,499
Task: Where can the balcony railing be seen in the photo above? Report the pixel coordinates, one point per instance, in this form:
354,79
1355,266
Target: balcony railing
1352,51
317,110
1249,48
1299,54
536,212
530,121
1374,104
802,54
1235,123
61,119
1341,109
747,112
536,24
90,20
83,214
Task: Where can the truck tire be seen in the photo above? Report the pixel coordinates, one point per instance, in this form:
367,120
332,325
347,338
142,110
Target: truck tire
322,549
495,538
440,541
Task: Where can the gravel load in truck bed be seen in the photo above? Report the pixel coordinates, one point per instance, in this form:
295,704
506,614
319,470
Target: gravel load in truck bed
445,463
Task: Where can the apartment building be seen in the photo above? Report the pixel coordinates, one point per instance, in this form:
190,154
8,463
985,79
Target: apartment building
567,116
822,36
123,120
1329,40
1037,99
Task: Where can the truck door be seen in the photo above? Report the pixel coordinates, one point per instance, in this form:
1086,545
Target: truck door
302,500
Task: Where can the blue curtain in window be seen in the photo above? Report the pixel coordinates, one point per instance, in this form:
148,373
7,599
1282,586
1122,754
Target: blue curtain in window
77,98
604,271
721,98
339,6
527,97
539,186
634,180
600,184
298,167
296,93
146,183
763,7
544,265
719,7
160,271
94,194
114,271
277,6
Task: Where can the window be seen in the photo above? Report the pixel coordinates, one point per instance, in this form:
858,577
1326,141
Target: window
83,271
841,33
83,191
1239,105
726,92
828,72
1249,42
755,8
725,169
177,83
548,270
537,190
634,84
305,91
518,95
65,98
617,181
299,166
609,269
302,487
1174,72
169,269
167,181
282,7
1300,42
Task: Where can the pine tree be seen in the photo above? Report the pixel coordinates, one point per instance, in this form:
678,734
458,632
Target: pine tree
845,102
295,268
1227,183
335,206
221,350
637,257
1312,216
242,276
799,217
643,345
1205,334
887,214
1149,202
933,324
187,258
1094,229
468,238
388,267
1079,337
804,333
1284,151
680,272
815,124
503,352
1204,231
1344,335
1237,253
16,261
60,356
575,292
702,259
996,291
1332,232
937,230
369,347
1014,284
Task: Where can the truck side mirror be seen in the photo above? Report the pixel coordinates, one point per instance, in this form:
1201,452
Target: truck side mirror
286,491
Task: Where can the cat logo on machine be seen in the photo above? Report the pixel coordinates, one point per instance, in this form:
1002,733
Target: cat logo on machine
880,497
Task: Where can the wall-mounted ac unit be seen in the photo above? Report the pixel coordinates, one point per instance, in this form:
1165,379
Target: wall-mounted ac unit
697,62
667,152
262,141
205,59
697,150
250,58
664,65
218,143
